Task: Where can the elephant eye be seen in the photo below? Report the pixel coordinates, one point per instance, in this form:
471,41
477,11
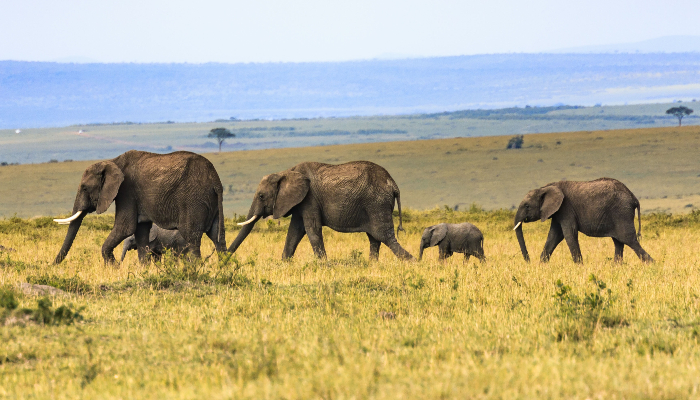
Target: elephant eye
261,196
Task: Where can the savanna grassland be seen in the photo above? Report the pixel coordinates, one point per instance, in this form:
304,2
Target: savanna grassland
346,327
660,165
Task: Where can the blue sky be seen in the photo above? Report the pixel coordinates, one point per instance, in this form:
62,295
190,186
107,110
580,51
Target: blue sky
310,30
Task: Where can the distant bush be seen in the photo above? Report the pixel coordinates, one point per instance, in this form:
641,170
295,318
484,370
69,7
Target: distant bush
516,142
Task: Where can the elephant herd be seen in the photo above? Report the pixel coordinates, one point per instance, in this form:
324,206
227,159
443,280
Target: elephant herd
168,201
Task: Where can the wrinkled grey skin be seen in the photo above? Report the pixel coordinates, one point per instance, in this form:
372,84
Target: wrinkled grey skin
159,240
454,238
180,190
353,197
600,208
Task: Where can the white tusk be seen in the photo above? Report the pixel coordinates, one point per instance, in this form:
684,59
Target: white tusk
66,221
516,226
248,221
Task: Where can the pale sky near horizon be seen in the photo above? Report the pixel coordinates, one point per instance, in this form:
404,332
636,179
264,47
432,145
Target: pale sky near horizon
144,31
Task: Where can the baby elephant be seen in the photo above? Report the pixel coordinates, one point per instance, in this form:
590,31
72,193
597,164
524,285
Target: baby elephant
454,238
159,240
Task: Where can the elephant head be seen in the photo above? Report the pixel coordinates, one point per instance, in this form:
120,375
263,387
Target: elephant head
538,204
98,188
277,194
432,236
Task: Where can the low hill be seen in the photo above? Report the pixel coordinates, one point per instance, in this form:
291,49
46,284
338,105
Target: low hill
660,165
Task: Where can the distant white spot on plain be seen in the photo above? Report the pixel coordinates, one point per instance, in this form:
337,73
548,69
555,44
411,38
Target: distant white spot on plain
18,131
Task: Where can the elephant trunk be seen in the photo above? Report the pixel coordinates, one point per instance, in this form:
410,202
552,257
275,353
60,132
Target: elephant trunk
420,254
70,236
521,241
126,246
242,235
254,214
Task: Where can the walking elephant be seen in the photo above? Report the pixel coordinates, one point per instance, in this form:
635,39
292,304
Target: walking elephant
454,238
159,240
180,190
600,208
353,197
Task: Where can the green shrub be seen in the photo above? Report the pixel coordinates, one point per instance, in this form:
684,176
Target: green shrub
74,284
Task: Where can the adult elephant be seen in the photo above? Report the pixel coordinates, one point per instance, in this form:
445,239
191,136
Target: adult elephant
600,208
180,190
352,197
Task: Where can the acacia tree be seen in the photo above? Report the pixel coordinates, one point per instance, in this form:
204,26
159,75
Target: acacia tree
220,134
679,112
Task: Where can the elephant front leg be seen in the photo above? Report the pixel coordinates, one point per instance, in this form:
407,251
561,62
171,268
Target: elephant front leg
295,233
141,236
571,236
115,237
315,232
554,237
374,246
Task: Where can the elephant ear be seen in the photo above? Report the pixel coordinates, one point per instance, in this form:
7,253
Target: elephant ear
439,233
112,177
292,189
152,234
552,197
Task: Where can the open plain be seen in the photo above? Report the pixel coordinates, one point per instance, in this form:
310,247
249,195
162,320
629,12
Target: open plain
346,327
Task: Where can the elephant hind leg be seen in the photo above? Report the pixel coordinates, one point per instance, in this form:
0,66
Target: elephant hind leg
194,242
633,243
399,251
619,249
374,246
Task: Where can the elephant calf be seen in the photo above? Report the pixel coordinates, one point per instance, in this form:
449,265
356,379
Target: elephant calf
454,238
159,240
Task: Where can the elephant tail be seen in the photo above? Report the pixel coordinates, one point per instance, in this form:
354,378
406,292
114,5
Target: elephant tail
222,233
639,217
397,195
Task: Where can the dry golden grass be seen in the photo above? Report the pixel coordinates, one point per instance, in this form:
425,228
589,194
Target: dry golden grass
314,329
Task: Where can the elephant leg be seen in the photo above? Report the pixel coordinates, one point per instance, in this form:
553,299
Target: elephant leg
295,233
141,236
633,243
396,248
443,253
315,232
619,249
554,237
194,243
374,246
116,236
571,236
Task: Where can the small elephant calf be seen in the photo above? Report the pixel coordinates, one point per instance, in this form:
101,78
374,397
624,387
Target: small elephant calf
159,240
454,238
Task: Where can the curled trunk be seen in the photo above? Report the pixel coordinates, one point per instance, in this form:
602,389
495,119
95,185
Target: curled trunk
70,236
521,242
